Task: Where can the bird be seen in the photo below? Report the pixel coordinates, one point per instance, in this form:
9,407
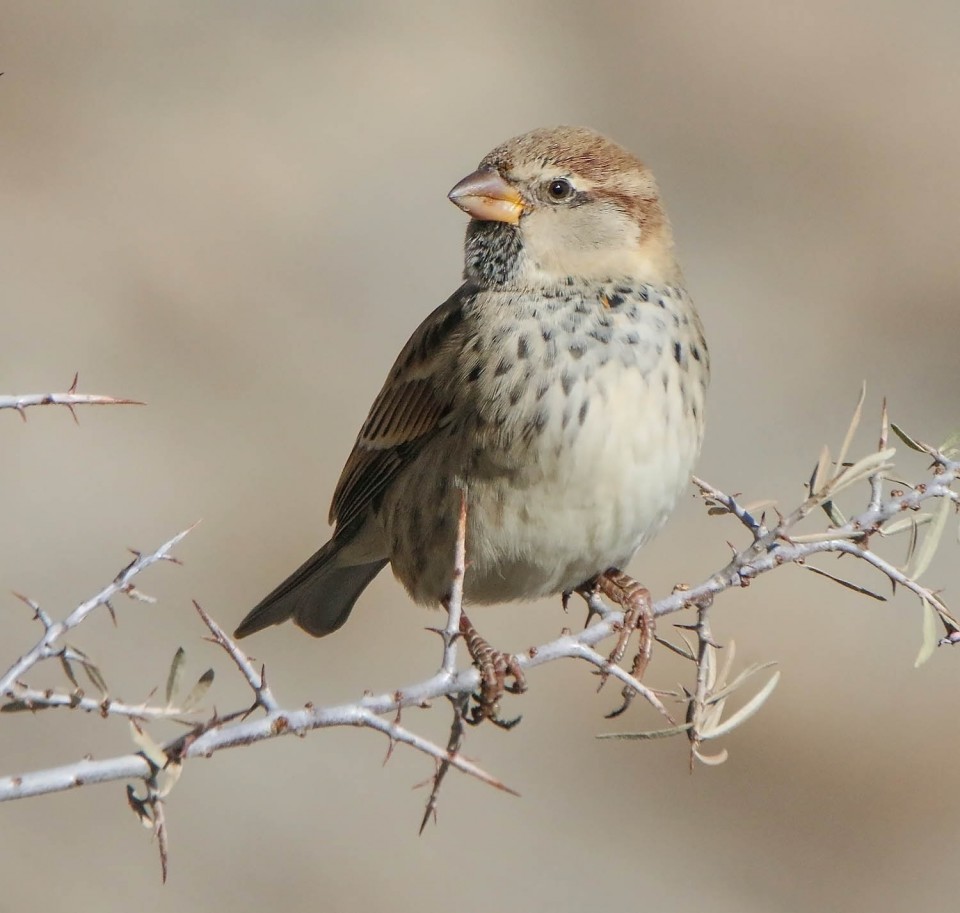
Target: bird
560,391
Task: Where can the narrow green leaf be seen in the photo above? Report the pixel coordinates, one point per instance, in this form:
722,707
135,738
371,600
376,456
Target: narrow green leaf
712,714
950,445
819,477
850,586
93,673
68,671
930,634
833,512
932,539
729,655
854,423
909,441
175,674
746,711
739,681
198,690
862,469
653,734
915,520
710,667
912,545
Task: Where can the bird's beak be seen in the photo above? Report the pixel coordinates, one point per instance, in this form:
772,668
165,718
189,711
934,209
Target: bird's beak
486,196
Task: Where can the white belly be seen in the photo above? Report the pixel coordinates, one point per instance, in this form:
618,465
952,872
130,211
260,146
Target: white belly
589,494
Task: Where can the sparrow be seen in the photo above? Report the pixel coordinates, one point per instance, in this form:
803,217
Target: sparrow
560,389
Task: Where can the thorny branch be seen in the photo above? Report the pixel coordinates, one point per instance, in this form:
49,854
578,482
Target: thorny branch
53,631
69,399
893,508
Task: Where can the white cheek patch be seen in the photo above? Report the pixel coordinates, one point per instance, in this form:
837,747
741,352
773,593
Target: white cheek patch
588,240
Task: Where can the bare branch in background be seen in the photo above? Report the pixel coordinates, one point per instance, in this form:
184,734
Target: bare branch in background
69,399
46,647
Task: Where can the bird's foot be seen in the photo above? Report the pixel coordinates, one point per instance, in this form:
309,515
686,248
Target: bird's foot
634,599
495,667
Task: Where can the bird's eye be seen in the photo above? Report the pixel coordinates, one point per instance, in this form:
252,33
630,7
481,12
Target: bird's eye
559,190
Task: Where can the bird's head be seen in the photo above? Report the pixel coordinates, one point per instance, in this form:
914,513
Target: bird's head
563,202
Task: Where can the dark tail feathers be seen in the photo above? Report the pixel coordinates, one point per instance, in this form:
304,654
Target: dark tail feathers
318,595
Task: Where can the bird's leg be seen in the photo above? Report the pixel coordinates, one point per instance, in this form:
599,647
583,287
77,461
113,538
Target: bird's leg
494,668
634,599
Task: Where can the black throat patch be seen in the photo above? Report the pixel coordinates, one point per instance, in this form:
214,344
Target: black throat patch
492,253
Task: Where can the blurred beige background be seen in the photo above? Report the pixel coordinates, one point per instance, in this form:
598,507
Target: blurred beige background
236,212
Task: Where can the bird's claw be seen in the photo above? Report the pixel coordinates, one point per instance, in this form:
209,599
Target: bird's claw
495,668
634,599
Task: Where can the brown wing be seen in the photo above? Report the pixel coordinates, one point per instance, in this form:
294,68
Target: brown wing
413,405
